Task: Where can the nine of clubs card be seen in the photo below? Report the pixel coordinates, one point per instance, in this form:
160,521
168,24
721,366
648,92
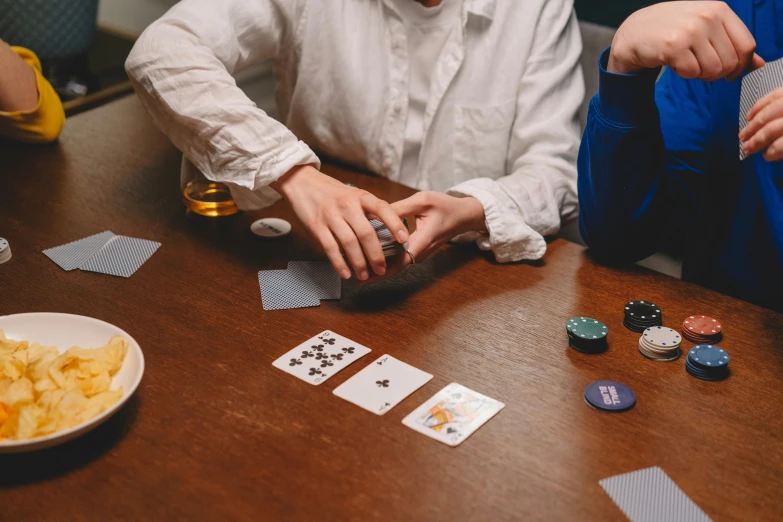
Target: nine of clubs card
320,357
453,414
382,385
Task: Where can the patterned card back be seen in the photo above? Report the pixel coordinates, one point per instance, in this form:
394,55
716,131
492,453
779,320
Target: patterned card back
71,255
649,495
121,256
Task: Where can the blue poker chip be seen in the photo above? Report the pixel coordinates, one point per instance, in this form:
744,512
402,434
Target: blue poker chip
610,396
707,356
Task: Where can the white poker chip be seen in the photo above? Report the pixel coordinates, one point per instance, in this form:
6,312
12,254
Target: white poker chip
5,250
271,227
662,337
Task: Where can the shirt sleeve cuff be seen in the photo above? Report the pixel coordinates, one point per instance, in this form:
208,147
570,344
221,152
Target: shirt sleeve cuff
626,99
508,236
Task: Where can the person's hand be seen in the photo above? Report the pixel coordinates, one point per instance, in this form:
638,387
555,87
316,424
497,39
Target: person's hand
439,218
336,215
697,39
764,130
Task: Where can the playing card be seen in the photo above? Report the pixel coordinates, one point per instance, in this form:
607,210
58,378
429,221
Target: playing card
319,276
649,495
453,414
755,86
382,385
121,256
317,359
282,290
72,255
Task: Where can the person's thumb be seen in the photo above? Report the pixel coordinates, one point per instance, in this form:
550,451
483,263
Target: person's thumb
757,62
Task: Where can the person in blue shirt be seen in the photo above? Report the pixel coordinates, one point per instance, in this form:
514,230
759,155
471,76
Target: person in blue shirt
659,162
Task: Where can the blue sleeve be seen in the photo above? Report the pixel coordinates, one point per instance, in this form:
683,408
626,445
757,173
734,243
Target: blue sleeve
643,146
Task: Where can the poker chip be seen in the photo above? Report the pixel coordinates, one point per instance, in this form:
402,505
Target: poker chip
610,396
5,250
587,335
271,227
708,362
660,343
640,315
702,329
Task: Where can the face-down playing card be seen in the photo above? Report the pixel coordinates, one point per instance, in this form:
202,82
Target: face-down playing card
320,357
382,385
319,276
72,255
283,290
121,256
755,86
649,495
453,414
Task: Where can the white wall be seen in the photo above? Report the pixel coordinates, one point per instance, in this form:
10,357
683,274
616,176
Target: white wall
131,16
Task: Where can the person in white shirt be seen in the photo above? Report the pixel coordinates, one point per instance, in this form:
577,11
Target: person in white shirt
473,102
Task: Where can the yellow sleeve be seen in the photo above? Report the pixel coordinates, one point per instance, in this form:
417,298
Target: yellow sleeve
42,124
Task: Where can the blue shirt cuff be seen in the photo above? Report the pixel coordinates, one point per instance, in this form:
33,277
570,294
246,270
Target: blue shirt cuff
626,99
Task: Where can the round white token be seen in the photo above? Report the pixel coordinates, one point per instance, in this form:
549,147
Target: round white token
5,250
271,227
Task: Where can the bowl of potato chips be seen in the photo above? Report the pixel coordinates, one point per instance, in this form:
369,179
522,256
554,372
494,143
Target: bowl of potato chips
61,375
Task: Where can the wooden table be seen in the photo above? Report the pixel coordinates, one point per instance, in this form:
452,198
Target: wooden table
216,433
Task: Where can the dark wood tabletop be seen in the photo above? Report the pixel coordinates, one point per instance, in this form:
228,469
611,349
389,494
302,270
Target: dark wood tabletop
214,432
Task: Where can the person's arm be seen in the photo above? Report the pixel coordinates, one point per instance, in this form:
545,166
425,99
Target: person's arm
540,189
30,110
18,89
181,68
645,145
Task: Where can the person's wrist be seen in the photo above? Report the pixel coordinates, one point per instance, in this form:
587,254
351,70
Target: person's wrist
473,218
620,58
288,183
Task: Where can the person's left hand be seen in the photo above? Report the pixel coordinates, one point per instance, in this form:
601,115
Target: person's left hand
439,218
764,131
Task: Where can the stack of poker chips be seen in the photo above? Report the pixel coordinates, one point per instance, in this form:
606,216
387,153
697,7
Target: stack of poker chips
707,362
640,315
660,343
701,329
587,335
389,244
5,251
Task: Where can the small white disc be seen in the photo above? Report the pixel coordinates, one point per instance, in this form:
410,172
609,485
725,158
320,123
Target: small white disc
271,227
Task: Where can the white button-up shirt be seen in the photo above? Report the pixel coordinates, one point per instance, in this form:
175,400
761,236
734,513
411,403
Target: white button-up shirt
500,125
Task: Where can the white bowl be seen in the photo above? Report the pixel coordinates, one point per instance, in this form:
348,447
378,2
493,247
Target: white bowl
64,331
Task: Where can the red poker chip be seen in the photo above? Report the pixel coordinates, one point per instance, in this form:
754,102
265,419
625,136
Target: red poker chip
702,325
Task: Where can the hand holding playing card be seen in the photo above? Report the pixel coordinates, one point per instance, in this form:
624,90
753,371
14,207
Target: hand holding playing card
336,215
439,218
764,131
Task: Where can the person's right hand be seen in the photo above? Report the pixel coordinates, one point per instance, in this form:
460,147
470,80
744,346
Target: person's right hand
336,215
697,39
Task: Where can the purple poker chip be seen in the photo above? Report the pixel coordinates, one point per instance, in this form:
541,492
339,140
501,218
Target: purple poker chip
609,396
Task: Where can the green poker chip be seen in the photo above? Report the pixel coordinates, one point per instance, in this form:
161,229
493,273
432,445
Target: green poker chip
587,328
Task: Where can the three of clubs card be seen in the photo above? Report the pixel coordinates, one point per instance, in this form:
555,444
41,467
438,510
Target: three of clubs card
320,357
453,414
382,385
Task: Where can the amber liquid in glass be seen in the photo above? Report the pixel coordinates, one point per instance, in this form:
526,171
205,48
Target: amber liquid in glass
208,198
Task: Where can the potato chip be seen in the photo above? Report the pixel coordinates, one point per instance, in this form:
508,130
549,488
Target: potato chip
43,391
